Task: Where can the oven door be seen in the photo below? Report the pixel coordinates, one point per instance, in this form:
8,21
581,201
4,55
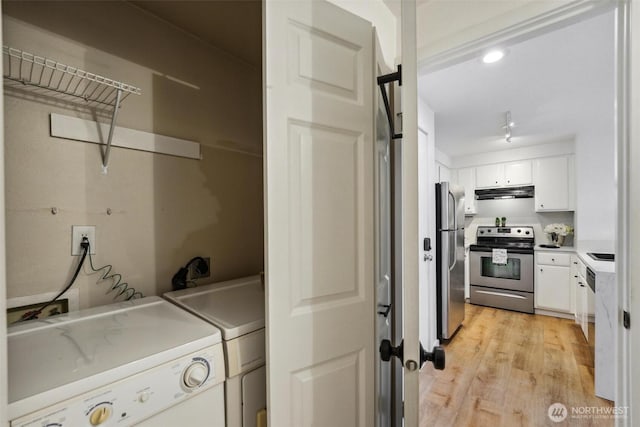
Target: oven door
516,274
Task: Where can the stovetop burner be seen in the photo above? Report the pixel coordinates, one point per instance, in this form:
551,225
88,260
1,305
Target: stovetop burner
515,238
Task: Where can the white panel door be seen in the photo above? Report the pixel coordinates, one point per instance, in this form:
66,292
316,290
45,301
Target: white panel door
319,157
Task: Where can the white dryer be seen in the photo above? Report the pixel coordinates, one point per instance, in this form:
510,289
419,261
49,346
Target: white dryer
237,308
143,362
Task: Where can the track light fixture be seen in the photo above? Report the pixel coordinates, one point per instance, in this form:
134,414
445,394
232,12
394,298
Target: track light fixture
508,125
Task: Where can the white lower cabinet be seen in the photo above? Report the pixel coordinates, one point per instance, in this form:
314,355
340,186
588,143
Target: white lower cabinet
553,282
582,299
574,286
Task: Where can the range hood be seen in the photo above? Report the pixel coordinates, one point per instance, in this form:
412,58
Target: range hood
505,193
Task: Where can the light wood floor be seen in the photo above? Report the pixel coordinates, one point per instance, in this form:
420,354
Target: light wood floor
505,369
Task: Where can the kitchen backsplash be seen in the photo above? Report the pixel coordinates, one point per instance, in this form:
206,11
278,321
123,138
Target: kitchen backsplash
517,212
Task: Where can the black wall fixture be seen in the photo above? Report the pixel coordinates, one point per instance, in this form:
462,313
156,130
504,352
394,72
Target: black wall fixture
179,280
382,81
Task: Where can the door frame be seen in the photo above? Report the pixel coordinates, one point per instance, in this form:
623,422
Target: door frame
627,154
4,386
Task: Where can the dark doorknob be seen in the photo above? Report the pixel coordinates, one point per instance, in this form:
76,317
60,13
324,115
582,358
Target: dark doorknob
387,351
436,356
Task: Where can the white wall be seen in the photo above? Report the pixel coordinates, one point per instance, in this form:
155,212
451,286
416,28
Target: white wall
427,172
517,212
596,189
165,210
511,155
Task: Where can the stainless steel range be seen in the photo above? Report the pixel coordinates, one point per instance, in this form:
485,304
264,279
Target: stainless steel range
498,281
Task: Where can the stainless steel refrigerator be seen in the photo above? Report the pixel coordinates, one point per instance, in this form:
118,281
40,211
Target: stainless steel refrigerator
449,258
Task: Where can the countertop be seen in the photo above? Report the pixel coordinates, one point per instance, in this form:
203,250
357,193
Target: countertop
597,266
571,249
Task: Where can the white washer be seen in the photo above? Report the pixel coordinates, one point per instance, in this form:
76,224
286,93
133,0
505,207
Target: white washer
143,362
237,308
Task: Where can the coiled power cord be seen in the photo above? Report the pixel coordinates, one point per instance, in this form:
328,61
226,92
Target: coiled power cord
121,287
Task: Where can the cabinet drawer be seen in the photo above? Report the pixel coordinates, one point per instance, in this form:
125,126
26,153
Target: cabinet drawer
553,258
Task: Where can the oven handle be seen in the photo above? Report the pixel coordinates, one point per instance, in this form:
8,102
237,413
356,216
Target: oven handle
510,253
501,294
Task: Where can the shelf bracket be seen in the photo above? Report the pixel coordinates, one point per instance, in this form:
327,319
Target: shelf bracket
382,81
107,151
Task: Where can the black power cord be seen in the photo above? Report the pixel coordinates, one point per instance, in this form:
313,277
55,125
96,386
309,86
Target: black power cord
33,314
179,280
122,288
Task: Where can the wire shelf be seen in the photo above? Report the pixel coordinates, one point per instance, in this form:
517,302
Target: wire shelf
44,73
36,71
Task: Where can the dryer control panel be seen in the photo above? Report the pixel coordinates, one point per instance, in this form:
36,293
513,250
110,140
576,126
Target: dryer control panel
140,396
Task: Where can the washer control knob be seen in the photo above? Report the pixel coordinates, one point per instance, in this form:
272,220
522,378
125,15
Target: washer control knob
100,415
195,375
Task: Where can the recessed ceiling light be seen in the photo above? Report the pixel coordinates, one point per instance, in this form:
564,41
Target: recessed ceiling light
493,56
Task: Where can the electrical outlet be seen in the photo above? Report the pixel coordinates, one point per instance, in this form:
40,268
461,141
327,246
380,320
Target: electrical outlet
77,233
194,274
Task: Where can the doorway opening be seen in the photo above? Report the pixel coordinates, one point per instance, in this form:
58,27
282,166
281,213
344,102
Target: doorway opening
551,96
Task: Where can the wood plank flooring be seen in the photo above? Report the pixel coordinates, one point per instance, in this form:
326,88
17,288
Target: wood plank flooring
505,369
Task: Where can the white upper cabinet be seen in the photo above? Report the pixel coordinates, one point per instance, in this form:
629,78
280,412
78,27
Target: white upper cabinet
554,182
444,173
518,173
504,174
467,179
489,176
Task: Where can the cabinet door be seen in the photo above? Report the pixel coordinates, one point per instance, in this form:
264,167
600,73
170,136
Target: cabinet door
581,305
574,271
553,288
583,292
551,179
444,173
467,179
489,176
518,173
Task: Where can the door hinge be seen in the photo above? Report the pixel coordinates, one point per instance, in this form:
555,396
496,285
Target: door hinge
626,319
382,81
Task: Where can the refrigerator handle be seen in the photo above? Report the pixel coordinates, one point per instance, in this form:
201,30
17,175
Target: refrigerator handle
452,245
455,216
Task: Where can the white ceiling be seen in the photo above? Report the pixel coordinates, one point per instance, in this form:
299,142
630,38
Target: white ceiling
556,86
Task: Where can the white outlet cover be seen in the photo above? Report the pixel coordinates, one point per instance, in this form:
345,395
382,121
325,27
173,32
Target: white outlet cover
77,233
